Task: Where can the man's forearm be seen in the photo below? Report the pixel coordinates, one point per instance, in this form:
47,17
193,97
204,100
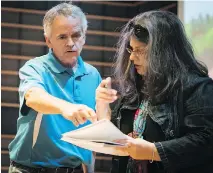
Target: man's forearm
39,100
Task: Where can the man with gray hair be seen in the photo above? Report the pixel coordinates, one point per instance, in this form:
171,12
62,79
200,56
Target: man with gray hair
57,94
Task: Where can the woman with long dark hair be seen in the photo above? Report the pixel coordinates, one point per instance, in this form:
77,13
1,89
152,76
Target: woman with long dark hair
166,99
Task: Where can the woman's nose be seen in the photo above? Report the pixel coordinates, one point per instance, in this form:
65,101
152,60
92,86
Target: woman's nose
131,57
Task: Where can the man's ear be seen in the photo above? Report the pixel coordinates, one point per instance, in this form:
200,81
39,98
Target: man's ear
84,40
48,42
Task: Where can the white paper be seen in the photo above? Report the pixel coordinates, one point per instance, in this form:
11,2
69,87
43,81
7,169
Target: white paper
88,137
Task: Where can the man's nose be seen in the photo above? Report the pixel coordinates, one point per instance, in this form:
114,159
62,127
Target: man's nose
70,42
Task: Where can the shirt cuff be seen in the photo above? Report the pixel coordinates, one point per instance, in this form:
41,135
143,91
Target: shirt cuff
162,154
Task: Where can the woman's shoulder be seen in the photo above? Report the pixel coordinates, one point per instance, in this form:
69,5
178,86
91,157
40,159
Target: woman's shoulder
199,90
194,83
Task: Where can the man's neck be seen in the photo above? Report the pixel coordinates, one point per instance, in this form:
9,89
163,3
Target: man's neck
74,67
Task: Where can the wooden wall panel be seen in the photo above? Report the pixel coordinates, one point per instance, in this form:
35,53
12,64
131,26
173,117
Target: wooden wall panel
9,97
33,50
9,119
7,48
31,19
9,80
9,64
108,56
29,34
7,16
10,33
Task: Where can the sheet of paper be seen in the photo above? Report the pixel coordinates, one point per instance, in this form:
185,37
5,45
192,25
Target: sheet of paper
97,147
98,137
103,130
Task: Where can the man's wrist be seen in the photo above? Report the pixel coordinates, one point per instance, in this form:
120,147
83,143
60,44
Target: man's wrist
64,106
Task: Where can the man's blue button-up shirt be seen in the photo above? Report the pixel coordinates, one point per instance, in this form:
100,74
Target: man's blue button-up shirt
76,87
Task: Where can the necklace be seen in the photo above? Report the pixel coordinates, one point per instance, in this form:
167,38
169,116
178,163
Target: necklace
140,120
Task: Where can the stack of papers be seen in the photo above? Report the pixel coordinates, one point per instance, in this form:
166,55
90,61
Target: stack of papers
97,137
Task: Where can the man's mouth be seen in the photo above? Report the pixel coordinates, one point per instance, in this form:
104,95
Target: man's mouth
71,51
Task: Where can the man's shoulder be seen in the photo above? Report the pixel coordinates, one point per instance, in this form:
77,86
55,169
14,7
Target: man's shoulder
90,69
36,62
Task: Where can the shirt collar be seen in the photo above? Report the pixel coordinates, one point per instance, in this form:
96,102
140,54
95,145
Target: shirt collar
57,67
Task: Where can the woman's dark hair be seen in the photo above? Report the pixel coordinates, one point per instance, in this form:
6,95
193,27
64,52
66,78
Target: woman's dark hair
169,54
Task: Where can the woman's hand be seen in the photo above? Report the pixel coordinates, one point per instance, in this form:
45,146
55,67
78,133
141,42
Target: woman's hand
104,96
139,149
104,93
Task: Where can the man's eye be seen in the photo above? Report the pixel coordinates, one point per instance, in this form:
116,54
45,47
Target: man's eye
62,37
76,35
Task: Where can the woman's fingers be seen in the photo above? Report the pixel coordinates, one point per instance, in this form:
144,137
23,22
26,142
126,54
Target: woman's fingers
121,141
126,142
122,148
106,83
106,98
106,91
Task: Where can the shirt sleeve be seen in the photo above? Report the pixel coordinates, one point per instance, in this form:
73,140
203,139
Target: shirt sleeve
30,76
